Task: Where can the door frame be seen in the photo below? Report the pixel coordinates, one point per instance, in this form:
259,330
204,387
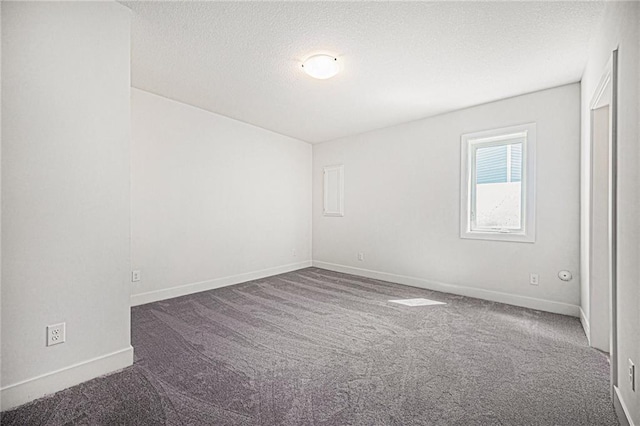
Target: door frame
606,93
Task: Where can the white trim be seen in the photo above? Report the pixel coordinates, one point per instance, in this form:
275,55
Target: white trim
603,84
479,293
585,325
528,179
621,408
27,390
183,290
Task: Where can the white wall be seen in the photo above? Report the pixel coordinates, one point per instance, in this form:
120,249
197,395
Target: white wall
0,208
402,205
65,193
214,201
599,278
0,203
620,28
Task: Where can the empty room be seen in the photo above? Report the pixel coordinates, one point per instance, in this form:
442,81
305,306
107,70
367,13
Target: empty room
320,213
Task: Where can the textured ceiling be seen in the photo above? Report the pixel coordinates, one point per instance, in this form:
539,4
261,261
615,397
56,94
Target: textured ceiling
400,61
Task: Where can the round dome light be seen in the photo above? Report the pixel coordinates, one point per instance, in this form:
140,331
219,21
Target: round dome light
321,66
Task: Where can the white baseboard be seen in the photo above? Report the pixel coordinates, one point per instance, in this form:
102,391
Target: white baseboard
585,325
621,408
27,390
479,293
183,290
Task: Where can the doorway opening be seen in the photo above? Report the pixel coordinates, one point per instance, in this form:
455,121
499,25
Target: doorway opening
602,217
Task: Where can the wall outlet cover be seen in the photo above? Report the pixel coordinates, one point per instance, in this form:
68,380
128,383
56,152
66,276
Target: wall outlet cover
56,334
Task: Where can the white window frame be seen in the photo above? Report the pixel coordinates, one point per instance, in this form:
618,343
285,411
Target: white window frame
469,143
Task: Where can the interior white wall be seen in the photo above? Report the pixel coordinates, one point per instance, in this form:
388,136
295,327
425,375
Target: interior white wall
402,205
0,202
65,193
214,201
619,28
599,278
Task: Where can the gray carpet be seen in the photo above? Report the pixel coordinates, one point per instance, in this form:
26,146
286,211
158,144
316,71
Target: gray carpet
315,347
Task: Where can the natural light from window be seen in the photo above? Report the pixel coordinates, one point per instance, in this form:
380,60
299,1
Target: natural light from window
498,197
496,193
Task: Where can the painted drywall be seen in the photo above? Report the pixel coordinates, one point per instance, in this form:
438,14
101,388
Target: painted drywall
599,309
400,60
214,201
402,205
65,193
619,28
0,202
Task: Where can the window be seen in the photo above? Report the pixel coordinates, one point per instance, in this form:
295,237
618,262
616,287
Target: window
498,180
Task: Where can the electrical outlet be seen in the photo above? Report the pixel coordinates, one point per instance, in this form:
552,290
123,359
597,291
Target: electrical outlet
55,334
632,375
360,257
533,279
135,276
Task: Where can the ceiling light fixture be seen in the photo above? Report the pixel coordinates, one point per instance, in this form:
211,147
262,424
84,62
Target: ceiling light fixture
321,66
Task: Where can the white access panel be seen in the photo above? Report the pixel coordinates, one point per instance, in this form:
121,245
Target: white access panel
333,191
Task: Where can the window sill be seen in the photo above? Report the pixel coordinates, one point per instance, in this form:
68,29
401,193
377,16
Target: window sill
498,236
